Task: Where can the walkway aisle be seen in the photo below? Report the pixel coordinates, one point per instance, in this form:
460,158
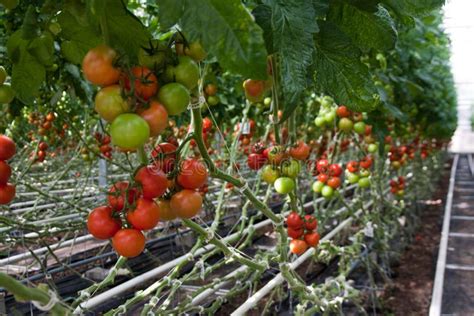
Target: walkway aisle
453,292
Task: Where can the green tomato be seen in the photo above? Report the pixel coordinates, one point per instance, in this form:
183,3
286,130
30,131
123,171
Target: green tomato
345,125
6,94
154,55
327,101
269,175
109,103
186,72
291,168
372,148
364,182
330,116
54,28
352,177
213,100
175,97
3,75
327,192
195,51
359,128
317,186
319,121
284,185
267,102
129,131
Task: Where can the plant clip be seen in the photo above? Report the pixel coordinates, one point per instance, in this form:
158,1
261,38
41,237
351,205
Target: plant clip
197,104
53,299
244,187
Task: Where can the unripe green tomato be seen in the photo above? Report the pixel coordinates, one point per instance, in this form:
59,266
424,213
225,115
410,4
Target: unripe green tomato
387,147
327,101
364,173
364,182
345,125
284,185
6,94
267,101
359,128
372,148
291,168
269,175
318,186
330,116
54,28
401,193
327,192
3,75
213,100
319,121
396,164
352,177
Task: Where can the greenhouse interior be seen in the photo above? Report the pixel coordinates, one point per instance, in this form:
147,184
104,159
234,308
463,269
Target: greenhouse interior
237,157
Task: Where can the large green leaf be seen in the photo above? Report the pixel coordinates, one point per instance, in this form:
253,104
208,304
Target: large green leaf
169,12
81,26
28,73
367,30
293,27
225,29
339,71
413,7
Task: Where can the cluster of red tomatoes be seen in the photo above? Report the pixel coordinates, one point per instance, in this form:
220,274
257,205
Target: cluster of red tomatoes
280,165
329,178
397,186
7,151
103,141
302,231
136,207
359,171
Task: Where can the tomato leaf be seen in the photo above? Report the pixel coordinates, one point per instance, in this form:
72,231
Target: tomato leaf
414,8
366,29
28,73
339,71
226,30
80,26
170,13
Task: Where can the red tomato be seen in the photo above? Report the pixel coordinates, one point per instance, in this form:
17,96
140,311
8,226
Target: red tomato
98,66
5,172
7,193
128,242
117,192
206,124
275,155
186,203
322,165
192,174
145,83
152,180
352,166
145,216
368,129
156,117
366,162
310,222
323,177
301,151
166,213
43,146
295,233
294,220
312,239
334,182
335,170
343,111
165,156
7,147
101,224
298,246
256,161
